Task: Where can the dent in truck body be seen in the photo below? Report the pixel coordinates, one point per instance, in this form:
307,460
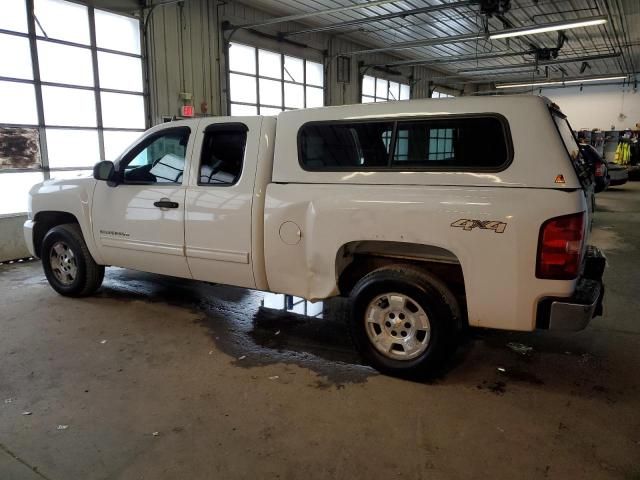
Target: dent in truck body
264,168
494,266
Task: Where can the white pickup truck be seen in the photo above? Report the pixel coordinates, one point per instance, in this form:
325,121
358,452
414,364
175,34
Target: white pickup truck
430,215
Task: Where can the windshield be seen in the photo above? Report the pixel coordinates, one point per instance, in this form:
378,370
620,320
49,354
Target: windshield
572,147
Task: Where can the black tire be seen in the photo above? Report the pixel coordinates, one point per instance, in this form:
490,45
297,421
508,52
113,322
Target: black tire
431,294
88,274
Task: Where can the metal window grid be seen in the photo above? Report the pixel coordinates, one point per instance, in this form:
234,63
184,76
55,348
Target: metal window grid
259,105
441,139
38,84
389,95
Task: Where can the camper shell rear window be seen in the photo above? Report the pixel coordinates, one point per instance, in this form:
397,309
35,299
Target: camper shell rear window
453,142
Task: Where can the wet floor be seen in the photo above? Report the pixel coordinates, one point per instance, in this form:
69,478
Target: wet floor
155,377
242,328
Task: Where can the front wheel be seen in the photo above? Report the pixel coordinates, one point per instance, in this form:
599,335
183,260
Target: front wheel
403,320
68,265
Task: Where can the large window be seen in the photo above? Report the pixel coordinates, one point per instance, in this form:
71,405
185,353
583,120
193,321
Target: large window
455,143
265,83
381,90
438,94
70,82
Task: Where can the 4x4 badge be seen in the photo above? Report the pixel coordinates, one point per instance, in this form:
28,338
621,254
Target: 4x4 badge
468,225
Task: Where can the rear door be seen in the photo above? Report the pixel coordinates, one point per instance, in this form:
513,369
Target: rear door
218,224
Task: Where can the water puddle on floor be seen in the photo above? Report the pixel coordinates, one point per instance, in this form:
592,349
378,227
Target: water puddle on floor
255,335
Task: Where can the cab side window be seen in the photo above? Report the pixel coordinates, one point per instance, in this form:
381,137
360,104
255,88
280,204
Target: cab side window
222,154
159,158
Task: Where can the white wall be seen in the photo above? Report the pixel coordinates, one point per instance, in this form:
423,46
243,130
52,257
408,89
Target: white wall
598,106
12,245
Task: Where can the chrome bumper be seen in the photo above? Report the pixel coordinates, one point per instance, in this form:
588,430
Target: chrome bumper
576,312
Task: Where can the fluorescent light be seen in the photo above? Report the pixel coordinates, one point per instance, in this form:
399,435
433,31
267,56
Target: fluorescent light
549,27
559,82
596,79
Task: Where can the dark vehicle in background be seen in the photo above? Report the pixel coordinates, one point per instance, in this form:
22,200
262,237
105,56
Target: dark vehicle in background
605,173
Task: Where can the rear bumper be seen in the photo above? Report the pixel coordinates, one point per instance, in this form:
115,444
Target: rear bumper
576,312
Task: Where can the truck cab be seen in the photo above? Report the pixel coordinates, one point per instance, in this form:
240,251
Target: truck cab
181,200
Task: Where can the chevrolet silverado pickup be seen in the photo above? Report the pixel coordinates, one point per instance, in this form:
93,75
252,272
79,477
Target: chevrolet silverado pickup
429,215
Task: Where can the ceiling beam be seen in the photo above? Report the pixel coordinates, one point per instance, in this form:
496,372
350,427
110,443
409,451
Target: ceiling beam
301,16
448,59
379,18
543,63
458,38
419,43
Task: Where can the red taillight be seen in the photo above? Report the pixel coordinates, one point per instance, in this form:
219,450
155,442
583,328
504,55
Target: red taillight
599,170
560,247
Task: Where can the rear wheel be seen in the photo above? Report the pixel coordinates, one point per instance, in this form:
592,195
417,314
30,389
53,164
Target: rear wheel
403,320
68,265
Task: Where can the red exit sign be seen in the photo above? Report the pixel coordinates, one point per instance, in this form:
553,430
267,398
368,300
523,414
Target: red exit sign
187,110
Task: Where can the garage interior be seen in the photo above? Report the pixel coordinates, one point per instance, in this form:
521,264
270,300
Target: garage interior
156,377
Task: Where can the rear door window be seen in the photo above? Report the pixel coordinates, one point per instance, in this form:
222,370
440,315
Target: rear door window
222,154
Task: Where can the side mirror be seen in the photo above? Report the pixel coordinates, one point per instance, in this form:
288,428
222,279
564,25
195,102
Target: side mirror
105,171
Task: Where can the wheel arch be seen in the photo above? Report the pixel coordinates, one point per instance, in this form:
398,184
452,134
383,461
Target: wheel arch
45,221
356,259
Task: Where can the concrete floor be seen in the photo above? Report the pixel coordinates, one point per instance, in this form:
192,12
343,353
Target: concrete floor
152,354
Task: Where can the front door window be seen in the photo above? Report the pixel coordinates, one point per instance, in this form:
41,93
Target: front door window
158,159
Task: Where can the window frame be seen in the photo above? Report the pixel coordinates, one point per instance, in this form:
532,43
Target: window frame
441,94
34,36
144,142
282,80
506,131
375,98
222,126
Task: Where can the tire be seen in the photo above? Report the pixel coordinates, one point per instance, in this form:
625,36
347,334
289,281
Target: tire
68,265
395,298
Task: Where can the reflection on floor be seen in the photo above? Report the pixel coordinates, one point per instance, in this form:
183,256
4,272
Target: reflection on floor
289,303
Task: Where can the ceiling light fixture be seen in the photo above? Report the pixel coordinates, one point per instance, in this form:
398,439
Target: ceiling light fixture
560,82
550,27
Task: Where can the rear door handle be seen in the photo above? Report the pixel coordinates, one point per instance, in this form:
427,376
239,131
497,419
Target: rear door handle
165,203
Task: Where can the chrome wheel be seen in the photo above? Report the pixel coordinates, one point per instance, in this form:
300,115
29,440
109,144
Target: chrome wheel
63,263
397,326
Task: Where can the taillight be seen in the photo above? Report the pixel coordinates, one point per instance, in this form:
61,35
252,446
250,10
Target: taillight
599,170
560,247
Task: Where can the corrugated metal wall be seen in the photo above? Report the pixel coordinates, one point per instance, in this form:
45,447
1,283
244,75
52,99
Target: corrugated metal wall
186,54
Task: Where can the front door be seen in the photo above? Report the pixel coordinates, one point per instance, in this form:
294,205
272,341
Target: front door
139,223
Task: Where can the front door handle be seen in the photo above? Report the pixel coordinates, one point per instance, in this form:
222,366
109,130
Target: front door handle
165,203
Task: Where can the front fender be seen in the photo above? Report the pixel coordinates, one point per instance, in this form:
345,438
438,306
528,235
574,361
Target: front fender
72,196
